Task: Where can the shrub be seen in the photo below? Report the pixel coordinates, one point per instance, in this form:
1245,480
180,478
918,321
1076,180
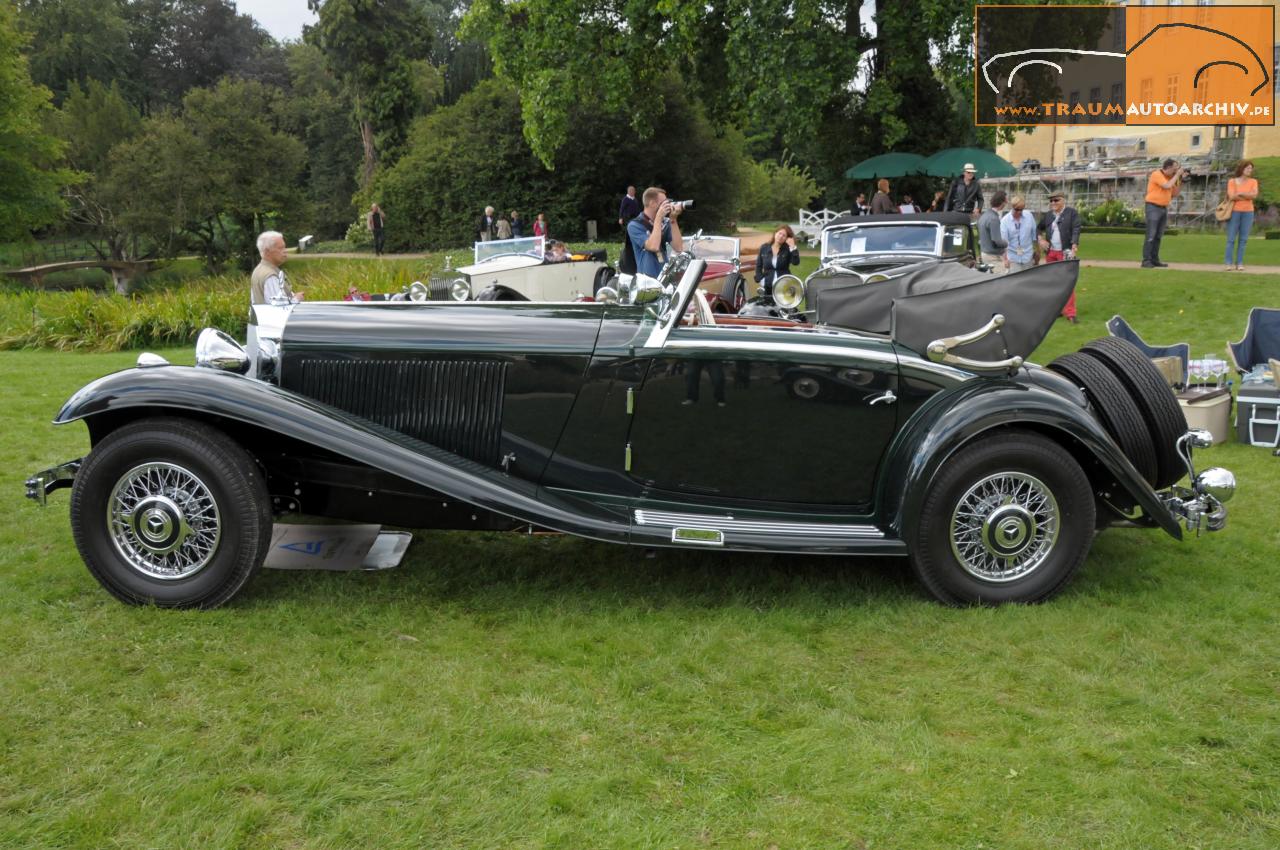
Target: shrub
1112,213
775,190
90,321
1271,234
358,236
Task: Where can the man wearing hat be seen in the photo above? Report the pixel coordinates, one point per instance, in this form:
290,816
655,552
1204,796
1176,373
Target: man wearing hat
1060,239
966,193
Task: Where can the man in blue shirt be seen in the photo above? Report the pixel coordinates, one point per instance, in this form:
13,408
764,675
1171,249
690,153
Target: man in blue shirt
653,230
1018,229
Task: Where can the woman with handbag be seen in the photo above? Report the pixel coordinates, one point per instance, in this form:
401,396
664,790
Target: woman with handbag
1241,190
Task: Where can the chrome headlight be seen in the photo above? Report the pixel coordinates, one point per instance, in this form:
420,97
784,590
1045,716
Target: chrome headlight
216,350
1216,482
418,291
461,290
607,295
788,292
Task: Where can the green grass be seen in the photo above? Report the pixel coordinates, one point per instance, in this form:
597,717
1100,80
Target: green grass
1182,248
504,691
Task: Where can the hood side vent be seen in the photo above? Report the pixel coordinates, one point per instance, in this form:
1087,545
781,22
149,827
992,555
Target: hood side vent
453,404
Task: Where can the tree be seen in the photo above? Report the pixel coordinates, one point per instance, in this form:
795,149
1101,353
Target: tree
93,121
832,81
463,157
29,182
318,111
372,47
74,41
220,172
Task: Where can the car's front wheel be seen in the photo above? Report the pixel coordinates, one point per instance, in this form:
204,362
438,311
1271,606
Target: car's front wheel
1009,519
171,512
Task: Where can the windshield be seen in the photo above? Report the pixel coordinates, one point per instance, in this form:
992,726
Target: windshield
531,246
720,248
880,239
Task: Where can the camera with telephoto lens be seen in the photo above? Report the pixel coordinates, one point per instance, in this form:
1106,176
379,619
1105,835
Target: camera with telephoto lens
681,206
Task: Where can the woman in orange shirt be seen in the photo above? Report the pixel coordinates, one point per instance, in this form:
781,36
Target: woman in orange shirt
1241,189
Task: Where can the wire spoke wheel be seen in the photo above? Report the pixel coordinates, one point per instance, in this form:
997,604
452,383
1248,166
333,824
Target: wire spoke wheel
163,521
1004,526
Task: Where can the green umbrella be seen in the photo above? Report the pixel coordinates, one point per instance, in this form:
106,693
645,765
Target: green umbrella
951,162
886,165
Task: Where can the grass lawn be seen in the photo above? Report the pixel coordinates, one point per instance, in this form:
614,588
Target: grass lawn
1182,248
504,691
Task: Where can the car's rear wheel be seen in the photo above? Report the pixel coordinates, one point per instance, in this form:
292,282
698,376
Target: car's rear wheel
1009,519
171,512
1154,400
1115,407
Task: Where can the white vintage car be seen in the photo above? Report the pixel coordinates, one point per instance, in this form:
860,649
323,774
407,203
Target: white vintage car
522,270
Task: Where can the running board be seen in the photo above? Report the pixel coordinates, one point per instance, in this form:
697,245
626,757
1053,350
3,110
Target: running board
725,531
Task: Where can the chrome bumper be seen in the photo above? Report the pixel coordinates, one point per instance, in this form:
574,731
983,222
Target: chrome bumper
40,485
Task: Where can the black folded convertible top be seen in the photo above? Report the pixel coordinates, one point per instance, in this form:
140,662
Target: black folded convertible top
946,300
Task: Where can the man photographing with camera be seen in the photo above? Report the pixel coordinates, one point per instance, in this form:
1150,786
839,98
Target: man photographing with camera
1162,187
653,230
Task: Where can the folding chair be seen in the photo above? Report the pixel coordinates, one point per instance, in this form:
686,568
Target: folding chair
1118,327
1261,341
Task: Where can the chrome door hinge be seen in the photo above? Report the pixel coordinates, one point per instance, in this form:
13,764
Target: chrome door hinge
626,463
631,400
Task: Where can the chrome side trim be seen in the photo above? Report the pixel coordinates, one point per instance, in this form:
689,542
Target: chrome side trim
782,529
767,346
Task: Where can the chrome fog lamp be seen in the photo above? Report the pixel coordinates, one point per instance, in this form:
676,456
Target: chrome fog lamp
216,350
461,290
607,295
418,291
788,292
1217,482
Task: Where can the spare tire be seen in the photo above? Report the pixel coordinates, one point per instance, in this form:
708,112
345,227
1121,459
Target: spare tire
1116,409
1154,399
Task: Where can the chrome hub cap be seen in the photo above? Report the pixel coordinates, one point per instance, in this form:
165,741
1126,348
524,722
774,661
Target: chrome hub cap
163,521
1004,526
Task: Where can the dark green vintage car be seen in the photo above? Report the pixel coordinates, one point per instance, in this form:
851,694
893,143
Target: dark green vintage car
925,434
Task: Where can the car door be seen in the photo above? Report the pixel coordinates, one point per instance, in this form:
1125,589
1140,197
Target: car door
772,415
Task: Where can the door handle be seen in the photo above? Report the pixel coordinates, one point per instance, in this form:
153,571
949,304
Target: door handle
887,397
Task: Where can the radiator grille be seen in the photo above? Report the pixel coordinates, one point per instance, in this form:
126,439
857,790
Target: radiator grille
453,404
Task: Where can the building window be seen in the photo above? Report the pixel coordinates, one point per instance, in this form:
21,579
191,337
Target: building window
1095,97
1142,145
1145,90
1071,152
1171,88
1195,140
1117,93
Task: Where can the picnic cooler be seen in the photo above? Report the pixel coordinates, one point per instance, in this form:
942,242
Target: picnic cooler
1258,414
1209,409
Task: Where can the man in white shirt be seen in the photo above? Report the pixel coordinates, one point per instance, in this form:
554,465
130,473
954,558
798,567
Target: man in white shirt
269,284
1018,230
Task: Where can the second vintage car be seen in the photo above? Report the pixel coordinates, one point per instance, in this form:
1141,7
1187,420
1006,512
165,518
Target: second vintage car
522,270
935,441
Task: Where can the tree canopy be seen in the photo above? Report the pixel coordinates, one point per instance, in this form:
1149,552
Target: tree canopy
29,182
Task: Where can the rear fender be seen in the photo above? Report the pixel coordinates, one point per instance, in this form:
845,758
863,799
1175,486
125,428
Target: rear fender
953,418
213,395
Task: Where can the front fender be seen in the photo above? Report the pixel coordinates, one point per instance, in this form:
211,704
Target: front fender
199,393
953,417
